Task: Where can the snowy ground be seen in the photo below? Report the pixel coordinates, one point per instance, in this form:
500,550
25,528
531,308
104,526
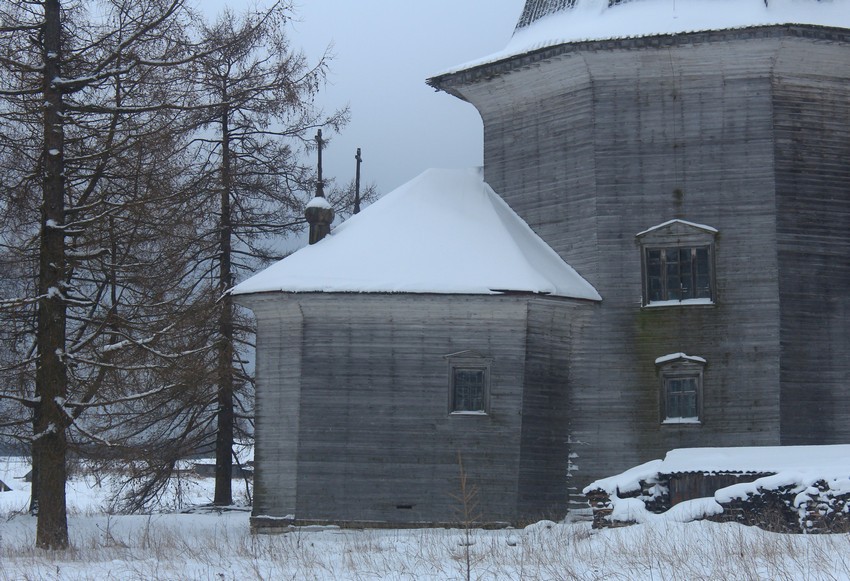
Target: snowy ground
218,546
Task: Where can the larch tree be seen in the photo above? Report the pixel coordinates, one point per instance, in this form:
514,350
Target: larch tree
96,234
261,117
141,172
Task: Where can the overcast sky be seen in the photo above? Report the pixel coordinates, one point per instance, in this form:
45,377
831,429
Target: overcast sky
384,50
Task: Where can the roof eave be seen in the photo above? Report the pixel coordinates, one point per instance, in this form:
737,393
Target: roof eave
266,294
449,82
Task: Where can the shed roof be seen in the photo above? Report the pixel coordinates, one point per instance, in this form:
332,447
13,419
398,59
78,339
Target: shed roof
547,23
791,463
445,232
757,459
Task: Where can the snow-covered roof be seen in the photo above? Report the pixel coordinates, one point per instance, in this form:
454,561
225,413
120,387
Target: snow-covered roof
678,356
709,229
596,20
757,459
445,231
796,462
802,470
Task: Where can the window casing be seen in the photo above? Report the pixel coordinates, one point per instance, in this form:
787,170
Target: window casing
682,390
469,383
677,264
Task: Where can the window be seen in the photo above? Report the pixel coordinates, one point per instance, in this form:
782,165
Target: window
469,383
678,274
681,394
677,264
681,388
468,388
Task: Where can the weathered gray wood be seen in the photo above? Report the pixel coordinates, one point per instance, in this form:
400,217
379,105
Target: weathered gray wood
544,487
375,440
277,404
746,131
812,125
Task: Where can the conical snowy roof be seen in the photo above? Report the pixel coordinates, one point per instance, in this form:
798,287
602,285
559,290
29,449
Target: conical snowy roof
748,12
546,23
444,232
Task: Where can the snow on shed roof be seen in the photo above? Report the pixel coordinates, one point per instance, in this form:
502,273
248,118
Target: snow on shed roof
601,20
445,231
757,459
794,462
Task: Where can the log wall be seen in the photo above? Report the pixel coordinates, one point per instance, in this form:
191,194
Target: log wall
811,88
744,131
373,437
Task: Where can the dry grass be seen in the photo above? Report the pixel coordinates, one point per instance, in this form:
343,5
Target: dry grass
219,547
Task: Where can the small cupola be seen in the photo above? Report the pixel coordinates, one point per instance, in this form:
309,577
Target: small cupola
319,212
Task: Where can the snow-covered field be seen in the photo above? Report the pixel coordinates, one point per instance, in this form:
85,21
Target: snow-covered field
201,545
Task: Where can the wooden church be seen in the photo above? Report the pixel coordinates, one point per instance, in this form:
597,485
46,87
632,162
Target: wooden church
656,256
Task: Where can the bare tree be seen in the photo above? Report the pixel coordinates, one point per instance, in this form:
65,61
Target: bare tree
91,104
141,173
261,113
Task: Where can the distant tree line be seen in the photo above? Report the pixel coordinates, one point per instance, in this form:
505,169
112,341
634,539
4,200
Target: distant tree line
148,160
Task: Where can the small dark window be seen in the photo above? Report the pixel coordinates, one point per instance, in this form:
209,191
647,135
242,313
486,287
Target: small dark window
681,388
681,393
468,389
469,383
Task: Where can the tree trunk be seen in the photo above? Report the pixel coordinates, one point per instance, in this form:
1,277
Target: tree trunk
49,439
224,434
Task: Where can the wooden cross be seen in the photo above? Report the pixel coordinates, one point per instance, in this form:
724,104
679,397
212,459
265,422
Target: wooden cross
357,183
320,184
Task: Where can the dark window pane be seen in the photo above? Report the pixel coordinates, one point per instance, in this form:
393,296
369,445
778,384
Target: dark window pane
678,273
686,280
673,287
681,397
674,284
703,273
654,278
703,287
655,290
702,260
653,261
468,390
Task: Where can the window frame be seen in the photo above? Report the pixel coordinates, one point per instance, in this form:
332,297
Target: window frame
463,361
681,367
664,273
677,235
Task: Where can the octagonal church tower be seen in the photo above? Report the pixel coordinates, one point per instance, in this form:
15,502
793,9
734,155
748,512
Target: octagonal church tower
691,160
